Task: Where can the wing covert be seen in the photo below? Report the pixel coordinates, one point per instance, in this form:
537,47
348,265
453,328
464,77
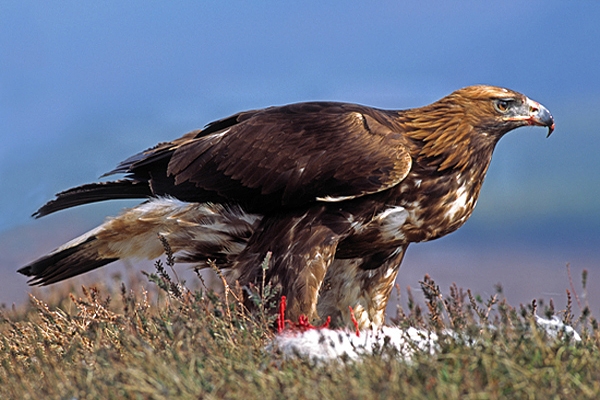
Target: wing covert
296,154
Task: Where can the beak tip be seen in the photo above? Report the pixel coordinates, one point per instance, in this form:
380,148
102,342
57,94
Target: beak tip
542,117
550,130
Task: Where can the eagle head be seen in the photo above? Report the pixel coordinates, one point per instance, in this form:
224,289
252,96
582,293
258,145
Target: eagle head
463,128
498,110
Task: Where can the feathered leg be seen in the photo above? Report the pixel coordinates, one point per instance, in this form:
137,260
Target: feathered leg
303,246
367,291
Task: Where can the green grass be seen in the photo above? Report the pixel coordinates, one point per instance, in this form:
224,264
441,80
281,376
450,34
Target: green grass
167,342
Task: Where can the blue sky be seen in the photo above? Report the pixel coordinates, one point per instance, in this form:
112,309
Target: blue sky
84,85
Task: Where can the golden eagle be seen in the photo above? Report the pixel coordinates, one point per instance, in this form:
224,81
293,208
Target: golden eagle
334,191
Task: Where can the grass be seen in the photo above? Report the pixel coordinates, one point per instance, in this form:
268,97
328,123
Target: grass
169,342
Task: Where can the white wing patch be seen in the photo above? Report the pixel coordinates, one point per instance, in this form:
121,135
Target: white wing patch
391,221
331,199
219,135
463,200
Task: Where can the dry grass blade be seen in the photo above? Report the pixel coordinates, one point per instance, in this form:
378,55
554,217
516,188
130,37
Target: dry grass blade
155,343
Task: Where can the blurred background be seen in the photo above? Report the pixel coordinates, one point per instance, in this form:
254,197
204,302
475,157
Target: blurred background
84,85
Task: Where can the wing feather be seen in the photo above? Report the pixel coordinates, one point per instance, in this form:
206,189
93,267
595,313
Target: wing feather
295,154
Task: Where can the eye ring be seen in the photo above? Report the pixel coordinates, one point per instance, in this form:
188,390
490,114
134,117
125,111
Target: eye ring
502,105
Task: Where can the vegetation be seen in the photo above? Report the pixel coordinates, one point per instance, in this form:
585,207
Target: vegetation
170,342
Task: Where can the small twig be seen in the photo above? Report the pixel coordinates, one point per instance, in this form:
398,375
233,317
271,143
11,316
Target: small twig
169,255
434,298
214,267
584,278
568,314
265,266
573,286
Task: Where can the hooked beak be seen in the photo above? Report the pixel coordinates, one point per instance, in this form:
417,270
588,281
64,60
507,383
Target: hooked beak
533,113
539,115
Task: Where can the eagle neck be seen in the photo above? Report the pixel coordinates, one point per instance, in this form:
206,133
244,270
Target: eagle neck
443,136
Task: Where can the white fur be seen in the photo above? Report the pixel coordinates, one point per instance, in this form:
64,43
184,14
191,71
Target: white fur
554,326
322,345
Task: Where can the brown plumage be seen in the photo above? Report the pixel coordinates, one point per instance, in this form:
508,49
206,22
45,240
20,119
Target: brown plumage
336,192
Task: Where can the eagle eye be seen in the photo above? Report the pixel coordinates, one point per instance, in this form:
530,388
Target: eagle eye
502,105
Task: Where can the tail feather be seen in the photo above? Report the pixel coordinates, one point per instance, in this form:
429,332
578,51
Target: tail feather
66,262
196,232
94,192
